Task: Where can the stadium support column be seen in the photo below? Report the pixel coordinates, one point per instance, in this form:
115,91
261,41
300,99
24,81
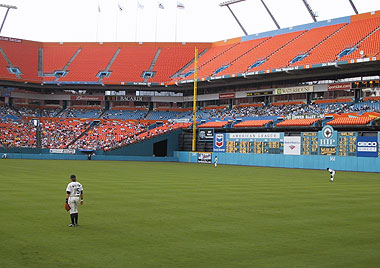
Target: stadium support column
195,100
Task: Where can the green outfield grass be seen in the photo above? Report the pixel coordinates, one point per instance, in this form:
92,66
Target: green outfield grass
139,214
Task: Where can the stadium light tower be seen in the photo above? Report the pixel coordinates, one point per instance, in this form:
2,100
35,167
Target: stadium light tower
227,4
311,12
270,14
8,7
354,7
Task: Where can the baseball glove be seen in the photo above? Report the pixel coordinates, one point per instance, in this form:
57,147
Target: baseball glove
67,207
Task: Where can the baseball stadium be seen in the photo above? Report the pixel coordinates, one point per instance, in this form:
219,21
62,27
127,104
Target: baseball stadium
256,151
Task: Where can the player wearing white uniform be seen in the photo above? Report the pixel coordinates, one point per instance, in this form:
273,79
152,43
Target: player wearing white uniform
216,161
332,174
74,191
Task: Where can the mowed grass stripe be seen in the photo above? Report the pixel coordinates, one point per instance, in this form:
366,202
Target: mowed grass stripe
139,214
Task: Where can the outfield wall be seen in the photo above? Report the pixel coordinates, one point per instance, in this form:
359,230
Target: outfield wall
84,157
346,163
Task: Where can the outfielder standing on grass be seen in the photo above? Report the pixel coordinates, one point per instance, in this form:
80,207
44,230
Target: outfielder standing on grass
74,191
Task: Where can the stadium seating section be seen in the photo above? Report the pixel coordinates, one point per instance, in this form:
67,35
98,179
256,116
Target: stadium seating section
107,130
116,63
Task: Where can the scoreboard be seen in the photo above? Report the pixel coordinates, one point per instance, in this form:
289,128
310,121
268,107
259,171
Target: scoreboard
347,143
309,143
326,142
257,143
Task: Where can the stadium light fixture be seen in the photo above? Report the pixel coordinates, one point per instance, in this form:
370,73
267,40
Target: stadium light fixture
8,7
231,2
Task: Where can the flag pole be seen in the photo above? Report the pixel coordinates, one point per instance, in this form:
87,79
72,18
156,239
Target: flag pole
97,23
176,22
195,100
137,16
155,32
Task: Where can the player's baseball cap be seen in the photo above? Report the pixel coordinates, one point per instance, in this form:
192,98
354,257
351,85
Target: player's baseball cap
72,177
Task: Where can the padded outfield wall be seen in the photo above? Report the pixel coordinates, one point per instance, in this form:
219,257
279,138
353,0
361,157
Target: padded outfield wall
340,150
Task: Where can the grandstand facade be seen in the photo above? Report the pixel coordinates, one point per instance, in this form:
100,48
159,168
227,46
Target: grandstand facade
104,97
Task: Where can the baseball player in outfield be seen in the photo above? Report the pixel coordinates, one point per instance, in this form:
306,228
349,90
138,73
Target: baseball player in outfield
74,196
332,174
216,161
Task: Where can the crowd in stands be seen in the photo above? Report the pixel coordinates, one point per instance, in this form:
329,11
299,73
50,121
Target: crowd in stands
111,133
59,134
17,134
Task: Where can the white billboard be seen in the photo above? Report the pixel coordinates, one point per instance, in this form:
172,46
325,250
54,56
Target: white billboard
292,145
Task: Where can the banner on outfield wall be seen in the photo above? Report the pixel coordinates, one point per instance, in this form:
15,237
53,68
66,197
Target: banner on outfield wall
205,158
87,98
62,151
293,90
292,145
219,142
339,86
367,147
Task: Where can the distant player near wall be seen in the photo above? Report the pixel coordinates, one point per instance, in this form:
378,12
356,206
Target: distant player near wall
332,174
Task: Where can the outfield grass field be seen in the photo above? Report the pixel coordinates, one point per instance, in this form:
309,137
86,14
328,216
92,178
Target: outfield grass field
139,214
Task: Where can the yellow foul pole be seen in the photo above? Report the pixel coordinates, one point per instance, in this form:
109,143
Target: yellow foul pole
195,101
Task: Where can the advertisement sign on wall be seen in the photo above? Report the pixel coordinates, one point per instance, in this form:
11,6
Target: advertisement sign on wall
327,140
367,146
205,158
292,145
220,142
205,134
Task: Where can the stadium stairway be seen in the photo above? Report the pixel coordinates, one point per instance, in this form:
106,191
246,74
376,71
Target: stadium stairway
178,73
106,70
320,43
357,46
9,62
68,63
91,126
152,64
59,112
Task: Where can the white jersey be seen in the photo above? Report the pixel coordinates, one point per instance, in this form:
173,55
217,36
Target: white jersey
75,188
332,172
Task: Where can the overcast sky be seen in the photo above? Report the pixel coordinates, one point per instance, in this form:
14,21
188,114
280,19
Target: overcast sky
199,21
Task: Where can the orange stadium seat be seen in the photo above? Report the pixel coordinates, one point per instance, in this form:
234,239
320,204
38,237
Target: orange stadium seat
350,121
210,55
298,122
228,57
88,63
369,46
261,52
347,37
56,57
130,64
288,103
333,100
299,46
253,123
170,61
214,124
23,55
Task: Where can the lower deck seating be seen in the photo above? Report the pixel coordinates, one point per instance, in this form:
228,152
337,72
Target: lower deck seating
298,122
351,121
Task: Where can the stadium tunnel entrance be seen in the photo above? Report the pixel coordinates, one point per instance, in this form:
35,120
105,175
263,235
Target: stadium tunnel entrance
160,149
